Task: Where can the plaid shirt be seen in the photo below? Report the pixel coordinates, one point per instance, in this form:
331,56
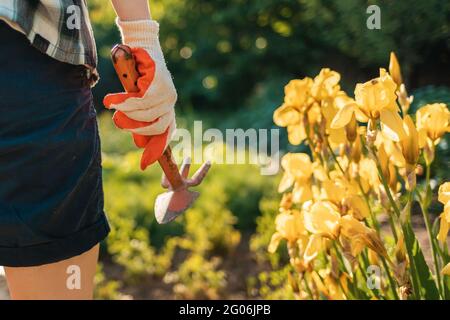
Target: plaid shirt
59,28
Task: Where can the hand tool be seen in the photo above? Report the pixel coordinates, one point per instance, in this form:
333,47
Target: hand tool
178,198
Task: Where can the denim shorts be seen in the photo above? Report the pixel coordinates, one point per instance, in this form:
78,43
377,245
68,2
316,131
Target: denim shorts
51,194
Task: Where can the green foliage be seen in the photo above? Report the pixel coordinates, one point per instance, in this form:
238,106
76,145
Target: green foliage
209,225
426,284
223,52
273,285
265,228
198,277
105,289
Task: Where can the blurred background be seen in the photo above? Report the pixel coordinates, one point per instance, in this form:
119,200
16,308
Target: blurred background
230,60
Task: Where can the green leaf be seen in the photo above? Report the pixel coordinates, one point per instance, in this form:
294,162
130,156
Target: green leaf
427,286
447,287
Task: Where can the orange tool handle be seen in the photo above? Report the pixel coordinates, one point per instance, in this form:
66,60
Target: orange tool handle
125,67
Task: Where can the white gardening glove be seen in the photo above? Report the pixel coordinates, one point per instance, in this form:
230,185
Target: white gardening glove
150,111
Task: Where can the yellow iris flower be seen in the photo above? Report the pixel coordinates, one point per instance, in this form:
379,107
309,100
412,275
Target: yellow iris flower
360,236
322,218
393,150
433,121
329,110
357,207
375,99
290,114
444,193
313,248
298,170
297,93
325,84
308,102
289,226
333,191
368,174
410,142
394,69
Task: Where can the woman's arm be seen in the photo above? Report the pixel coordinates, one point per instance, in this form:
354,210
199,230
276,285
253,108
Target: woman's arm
129,10
149,112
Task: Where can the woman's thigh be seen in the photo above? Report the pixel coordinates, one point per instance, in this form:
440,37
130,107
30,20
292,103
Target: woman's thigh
69,279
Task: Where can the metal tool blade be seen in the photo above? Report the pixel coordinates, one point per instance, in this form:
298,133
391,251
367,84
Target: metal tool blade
171,204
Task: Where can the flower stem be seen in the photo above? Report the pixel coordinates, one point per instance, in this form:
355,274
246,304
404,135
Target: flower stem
394,230
414,275
310,142
424,208
389,195
363,266
308,289
334,156
390,279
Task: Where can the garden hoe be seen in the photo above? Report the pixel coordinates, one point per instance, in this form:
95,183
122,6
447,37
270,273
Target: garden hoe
178,198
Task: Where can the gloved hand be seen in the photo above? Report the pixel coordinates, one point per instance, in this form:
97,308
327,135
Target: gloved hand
149,113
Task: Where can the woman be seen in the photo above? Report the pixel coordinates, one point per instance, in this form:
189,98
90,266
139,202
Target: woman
51,196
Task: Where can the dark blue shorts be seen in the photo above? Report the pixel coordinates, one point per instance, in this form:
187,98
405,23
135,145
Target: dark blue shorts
51,196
